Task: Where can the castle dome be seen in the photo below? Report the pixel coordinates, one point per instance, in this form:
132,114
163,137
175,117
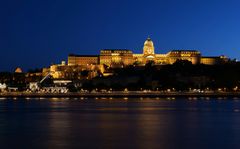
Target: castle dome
148,42
148,47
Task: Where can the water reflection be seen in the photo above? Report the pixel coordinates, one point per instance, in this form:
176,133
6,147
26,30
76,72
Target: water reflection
59,127
120,123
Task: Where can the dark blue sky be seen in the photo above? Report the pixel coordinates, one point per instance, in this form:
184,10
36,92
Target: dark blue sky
36,33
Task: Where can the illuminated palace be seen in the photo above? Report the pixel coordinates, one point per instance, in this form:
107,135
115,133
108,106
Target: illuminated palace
125,57
111,57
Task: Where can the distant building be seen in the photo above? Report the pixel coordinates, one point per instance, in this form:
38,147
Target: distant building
3,86
116,57
214,60
83,59
124,57
73,71
18,70
95,64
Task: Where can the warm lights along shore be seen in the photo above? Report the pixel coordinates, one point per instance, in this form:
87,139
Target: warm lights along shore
123,94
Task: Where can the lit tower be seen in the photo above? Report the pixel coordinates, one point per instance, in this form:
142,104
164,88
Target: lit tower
148,50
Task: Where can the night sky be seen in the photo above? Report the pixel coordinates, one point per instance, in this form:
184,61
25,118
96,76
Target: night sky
37,33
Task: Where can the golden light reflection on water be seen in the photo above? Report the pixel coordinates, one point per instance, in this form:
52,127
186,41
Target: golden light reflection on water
56,99
59,123
148,130
145,109
143,126
132,123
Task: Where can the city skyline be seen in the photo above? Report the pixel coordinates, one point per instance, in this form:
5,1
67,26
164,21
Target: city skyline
36,34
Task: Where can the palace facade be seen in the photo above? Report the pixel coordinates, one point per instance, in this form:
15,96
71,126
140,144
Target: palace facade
124,57
96,64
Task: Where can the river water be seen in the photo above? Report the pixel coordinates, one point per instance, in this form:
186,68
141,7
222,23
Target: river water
120,123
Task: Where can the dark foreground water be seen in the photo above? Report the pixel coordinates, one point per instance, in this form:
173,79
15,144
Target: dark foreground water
118,123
